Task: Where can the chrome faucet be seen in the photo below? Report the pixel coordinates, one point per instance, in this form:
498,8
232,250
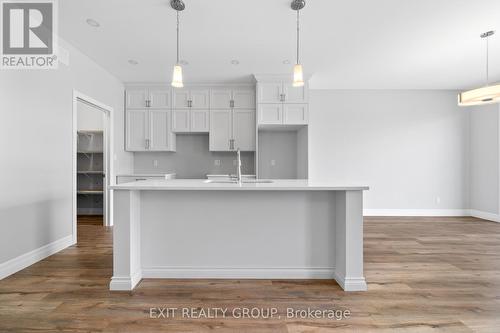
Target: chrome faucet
238,168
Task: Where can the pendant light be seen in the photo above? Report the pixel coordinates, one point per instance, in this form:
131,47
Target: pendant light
177,82
298,74
486,95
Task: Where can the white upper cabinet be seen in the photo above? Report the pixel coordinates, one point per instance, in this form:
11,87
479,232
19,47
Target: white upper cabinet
220,134
199,121
199,98
181,98
271,114
244,129
281,92
293,94
137,98
148,130
196,98
295,114
161,137
136,130
243,99
221,98
160,98
181,120
232,129
269,92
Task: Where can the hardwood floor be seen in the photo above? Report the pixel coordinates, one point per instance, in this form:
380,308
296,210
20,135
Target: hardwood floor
424,275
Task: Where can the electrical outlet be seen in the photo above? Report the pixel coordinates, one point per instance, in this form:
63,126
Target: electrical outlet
273,162
217,162
155,163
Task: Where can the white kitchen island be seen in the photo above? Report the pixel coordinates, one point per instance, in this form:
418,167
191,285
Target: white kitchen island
286,229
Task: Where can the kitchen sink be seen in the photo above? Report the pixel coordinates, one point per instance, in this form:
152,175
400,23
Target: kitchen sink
246,181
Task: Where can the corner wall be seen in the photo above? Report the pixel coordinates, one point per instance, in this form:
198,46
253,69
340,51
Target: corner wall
36,145
410,146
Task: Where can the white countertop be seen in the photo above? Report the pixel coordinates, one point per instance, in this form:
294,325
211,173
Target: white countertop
145,174
202,185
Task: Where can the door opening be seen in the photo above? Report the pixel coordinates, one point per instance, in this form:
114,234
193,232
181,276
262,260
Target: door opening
91,162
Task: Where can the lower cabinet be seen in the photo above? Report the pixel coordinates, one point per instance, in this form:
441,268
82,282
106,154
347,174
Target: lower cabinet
190,121
149,130
232,129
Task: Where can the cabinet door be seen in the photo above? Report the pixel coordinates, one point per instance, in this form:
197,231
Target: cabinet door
294,94
136,98
160,98
295,114
271,114
160,135
220,98
200,121
269,92
244,98
136,130
220,130
244,129
180,120
200,98
180,98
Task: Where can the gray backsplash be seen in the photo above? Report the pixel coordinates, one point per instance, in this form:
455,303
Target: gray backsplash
192,159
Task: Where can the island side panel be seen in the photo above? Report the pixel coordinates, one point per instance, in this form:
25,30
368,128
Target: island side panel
126,240
349,240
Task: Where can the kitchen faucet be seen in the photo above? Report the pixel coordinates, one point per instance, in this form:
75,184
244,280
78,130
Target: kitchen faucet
238,167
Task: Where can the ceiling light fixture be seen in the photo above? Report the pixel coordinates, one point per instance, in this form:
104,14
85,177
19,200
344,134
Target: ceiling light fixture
298,75
177,82
488,94
93,23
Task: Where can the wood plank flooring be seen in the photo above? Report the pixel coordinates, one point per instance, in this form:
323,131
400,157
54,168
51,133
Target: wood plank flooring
424,275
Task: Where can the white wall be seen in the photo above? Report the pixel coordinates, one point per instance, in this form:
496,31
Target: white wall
484,161
36,146
410,147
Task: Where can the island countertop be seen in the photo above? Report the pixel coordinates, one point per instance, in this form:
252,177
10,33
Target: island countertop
264,185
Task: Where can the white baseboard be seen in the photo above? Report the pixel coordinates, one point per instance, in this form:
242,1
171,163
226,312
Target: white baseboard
124,283
432,212
237,273
351,284
16,264
485,215
416,212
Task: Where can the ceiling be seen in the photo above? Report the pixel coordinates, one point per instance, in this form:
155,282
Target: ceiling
346,44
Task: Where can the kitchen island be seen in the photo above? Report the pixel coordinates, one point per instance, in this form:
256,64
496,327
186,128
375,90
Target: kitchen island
280,229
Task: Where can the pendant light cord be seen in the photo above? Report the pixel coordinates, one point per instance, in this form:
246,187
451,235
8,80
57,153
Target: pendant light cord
487,61
177,37
298,36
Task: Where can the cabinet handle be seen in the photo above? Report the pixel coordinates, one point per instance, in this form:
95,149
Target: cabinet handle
231,103
190,103
231,144
147,143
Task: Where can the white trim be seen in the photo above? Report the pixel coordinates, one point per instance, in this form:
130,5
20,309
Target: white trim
121,283
485,215
237,273
24,260
416,212
109,151
351,284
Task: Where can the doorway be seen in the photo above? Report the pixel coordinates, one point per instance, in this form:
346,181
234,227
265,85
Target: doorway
91,162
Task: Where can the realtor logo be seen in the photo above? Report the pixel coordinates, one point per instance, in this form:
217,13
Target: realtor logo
29,39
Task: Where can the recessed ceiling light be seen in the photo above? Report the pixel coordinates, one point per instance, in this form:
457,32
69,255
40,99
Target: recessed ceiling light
133,62
183,62
93,23
286,62
235,62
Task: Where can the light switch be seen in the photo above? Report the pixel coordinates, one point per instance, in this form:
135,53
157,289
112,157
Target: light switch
217,162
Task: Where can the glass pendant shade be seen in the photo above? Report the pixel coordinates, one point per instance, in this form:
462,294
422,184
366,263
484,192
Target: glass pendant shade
480,96
298,76
177,77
